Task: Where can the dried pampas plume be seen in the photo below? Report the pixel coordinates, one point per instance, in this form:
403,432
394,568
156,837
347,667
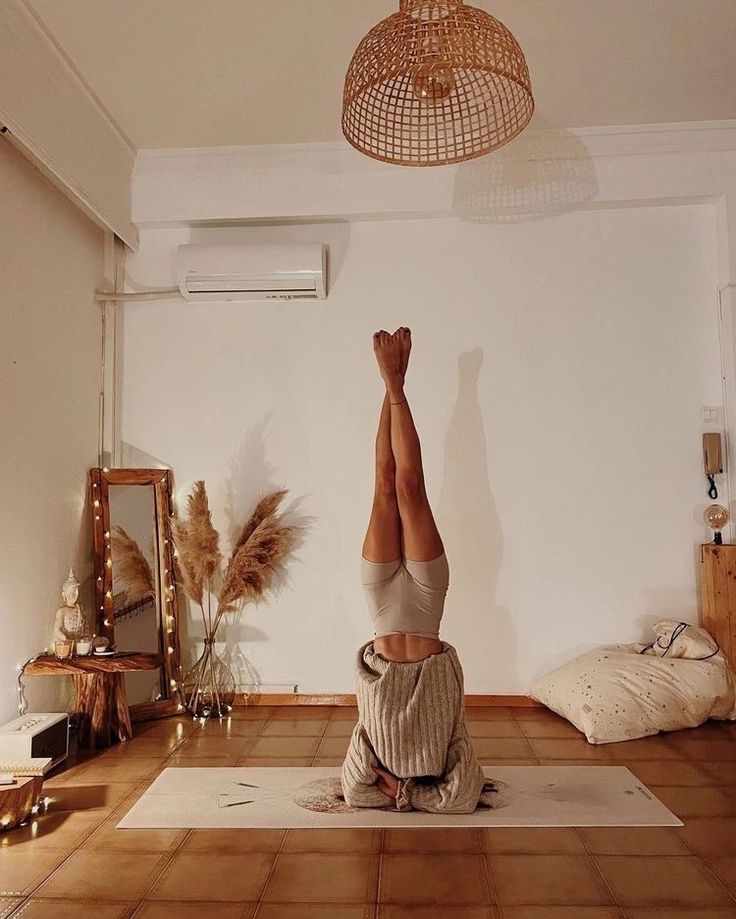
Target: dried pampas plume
197,545
266,508
255,562
131,567
257,556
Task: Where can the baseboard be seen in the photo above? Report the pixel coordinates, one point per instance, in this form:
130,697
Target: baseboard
287,698
508,701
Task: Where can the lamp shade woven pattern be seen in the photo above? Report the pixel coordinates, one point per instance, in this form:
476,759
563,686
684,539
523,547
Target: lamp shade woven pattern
437,82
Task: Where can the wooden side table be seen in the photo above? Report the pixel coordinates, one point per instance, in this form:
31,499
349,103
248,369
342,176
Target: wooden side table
718,596
99,684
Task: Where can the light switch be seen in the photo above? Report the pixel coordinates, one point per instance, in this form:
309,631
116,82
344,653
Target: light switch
711,415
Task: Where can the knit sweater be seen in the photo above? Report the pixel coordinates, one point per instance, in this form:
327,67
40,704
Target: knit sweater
411,720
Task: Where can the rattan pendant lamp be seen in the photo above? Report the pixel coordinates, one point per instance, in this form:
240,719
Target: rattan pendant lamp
437,82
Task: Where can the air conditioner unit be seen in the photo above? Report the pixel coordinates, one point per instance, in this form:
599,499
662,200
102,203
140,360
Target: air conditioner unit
245,271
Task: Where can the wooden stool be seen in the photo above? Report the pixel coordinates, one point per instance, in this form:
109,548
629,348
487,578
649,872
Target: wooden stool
17,801
99,684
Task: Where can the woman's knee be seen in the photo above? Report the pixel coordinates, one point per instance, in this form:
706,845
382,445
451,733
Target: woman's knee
386,483
410,489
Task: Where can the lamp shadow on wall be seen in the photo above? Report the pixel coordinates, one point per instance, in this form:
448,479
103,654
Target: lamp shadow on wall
252,476
544,172
471,527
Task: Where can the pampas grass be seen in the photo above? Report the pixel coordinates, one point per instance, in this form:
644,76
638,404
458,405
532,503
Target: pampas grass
258,556
197,545
254,563
131,567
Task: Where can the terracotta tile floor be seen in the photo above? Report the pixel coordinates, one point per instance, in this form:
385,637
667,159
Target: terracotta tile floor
73,862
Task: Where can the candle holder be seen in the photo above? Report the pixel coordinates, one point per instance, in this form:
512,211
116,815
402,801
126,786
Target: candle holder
63,648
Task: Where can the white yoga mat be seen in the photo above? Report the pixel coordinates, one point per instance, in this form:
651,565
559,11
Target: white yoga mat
259,797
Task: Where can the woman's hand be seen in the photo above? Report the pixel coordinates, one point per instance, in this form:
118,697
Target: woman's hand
387,782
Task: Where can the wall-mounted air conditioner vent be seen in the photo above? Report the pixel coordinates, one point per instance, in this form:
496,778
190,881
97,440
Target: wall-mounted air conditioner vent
260,271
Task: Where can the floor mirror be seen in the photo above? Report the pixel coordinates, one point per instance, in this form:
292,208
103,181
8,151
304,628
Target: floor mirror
134,579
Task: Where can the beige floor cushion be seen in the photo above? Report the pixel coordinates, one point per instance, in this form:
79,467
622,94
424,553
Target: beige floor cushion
617,693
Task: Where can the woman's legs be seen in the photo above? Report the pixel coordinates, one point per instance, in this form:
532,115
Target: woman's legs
421,539
383,539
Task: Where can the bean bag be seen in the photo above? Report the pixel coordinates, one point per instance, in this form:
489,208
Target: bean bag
620,692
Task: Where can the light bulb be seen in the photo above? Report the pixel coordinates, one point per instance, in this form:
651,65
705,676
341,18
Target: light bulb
716,516
432,82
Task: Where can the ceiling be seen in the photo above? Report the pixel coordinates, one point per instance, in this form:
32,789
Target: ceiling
203,73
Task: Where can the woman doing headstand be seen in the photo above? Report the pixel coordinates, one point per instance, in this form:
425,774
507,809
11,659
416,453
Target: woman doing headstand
411,747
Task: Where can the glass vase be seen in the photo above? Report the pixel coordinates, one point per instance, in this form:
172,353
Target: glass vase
209,687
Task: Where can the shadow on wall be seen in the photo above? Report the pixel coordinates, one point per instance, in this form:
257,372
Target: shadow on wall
132,457
544,172
471,528
251,477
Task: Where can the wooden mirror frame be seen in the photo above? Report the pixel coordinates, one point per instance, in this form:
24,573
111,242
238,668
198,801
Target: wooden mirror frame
161,480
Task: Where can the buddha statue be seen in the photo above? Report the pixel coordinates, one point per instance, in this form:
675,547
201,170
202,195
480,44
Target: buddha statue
69,622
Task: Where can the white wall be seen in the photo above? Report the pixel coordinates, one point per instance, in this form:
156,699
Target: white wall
51,259
557,380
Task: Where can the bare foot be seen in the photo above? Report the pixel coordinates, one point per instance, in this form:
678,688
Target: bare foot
403,336
390,357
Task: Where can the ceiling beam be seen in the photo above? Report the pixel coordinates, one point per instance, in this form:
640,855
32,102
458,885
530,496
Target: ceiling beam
55,119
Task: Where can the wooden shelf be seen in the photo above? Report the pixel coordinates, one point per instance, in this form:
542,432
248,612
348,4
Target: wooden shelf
49,665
